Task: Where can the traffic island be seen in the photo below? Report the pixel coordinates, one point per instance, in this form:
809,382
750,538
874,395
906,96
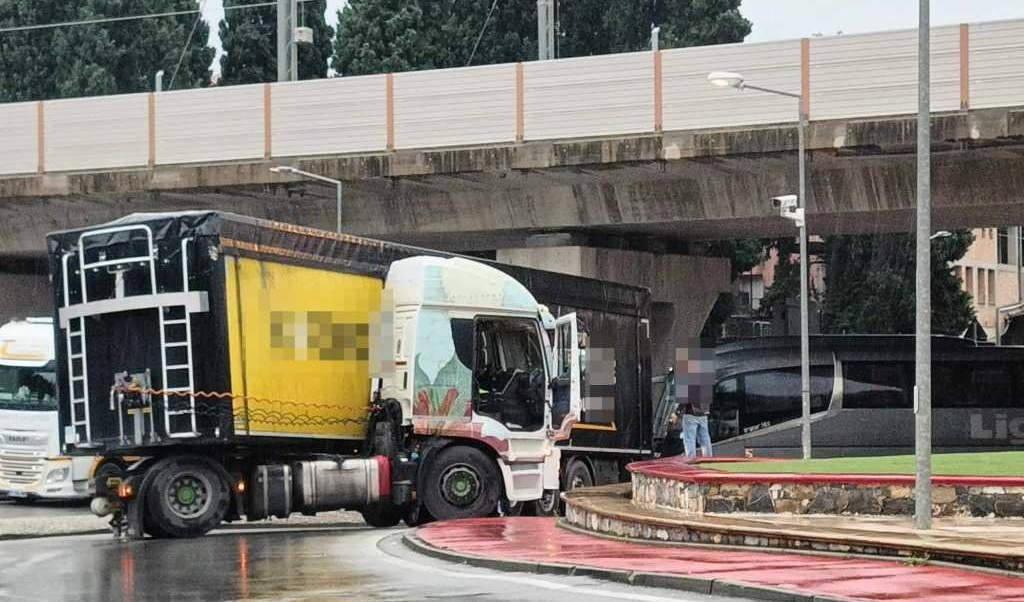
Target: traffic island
539,545
672,500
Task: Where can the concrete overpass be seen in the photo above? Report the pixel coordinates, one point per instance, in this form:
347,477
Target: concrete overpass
632,151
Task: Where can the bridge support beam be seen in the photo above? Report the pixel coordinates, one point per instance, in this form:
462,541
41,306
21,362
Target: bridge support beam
683,287
24,294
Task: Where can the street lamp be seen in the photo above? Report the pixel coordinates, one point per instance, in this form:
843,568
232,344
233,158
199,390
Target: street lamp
312,176
792,208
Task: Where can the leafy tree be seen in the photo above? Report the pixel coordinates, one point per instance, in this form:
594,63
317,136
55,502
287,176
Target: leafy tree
249,39
101,58
869,284
376,36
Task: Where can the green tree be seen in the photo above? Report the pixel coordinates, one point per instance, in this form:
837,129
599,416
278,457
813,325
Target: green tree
249,39
869,284
377,36
101,58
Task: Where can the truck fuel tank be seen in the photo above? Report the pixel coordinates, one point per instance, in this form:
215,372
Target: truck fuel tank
322,485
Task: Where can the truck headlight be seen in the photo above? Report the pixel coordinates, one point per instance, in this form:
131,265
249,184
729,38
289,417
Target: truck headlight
57,475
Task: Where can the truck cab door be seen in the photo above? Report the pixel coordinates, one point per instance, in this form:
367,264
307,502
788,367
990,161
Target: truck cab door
565,383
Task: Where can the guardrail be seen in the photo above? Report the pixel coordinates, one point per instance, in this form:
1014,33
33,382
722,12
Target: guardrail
973,66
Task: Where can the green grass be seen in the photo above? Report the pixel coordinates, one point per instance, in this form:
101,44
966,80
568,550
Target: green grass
979,463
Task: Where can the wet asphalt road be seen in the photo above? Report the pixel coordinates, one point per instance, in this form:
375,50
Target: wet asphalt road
42,508
324,564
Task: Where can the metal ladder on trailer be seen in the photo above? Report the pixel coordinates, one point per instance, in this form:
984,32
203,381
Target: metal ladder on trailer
176,338
78,375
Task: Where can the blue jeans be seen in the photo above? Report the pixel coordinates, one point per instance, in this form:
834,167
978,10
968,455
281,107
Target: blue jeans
696,428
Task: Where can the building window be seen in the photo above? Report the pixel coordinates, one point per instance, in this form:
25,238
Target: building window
991,287
969,280
981,297
1003,246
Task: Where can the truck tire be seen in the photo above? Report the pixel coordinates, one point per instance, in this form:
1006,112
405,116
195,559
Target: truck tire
187,498
549,504
577,474
460,482
382,514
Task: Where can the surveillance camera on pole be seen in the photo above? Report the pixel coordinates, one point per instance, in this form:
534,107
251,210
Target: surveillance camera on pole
788,206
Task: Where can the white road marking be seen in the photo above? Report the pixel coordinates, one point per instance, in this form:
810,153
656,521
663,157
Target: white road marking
532,581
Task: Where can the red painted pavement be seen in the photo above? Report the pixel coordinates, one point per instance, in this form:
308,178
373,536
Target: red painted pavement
539,540
679,468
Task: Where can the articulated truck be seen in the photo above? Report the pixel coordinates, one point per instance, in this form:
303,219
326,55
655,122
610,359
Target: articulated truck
259,369
31,465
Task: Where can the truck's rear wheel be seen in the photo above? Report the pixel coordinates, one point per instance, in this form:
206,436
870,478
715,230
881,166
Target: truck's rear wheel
460,482
577,474
549,503
187,498
382,514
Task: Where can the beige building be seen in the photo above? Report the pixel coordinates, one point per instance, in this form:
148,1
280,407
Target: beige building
990,273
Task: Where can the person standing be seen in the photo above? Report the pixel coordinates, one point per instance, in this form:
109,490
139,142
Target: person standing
694,389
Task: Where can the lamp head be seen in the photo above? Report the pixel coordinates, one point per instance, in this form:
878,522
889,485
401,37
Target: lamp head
724,79
283,169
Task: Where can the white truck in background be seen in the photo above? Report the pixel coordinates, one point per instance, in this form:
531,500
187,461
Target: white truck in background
31,466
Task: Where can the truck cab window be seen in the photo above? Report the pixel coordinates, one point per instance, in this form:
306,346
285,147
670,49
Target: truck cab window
25,388
508,372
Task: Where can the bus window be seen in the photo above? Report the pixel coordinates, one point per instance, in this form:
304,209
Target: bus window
773,397
872,385
724,421
949,384
990,386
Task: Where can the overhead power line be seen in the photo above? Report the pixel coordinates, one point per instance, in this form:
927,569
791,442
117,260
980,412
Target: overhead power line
129,17
482,30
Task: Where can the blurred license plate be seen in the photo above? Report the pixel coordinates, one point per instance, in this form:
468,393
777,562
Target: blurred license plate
21,494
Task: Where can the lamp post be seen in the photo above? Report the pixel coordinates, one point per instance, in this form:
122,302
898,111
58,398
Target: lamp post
735,80
312,176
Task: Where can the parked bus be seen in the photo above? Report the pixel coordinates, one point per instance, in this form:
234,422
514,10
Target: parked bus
862,396
31,466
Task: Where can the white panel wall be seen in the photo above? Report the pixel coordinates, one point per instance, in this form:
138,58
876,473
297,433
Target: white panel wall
339,115
97,133
997,64
590,96
215,124
18,150
452,107
689,101
866,75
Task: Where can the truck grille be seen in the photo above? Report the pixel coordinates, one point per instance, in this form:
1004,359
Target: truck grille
21,467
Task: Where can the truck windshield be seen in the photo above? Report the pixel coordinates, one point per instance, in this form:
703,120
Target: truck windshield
25,388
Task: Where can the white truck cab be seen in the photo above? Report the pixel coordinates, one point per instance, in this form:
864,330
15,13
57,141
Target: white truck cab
472,359
30,462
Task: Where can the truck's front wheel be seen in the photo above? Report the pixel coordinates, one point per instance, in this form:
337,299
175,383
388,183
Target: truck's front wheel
187,498
460,482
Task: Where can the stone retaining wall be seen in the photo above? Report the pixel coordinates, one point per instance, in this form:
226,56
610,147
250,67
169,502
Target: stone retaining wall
823,498
592,519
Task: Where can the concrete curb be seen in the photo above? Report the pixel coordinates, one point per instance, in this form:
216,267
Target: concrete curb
687,583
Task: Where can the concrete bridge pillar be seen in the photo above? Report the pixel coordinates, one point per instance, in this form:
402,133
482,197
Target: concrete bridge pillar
24,294
683,287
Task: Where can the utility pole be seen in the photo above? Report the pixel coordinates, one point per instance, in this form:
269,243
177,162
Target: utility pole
923,342
287,55
545,30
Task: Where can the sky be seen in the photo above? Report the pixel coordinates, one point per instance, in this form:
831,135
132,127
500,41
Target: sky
786,19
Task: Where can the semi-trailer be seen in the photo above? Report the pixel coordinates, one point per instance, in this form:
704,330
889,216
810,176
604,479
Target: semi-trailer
261,368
